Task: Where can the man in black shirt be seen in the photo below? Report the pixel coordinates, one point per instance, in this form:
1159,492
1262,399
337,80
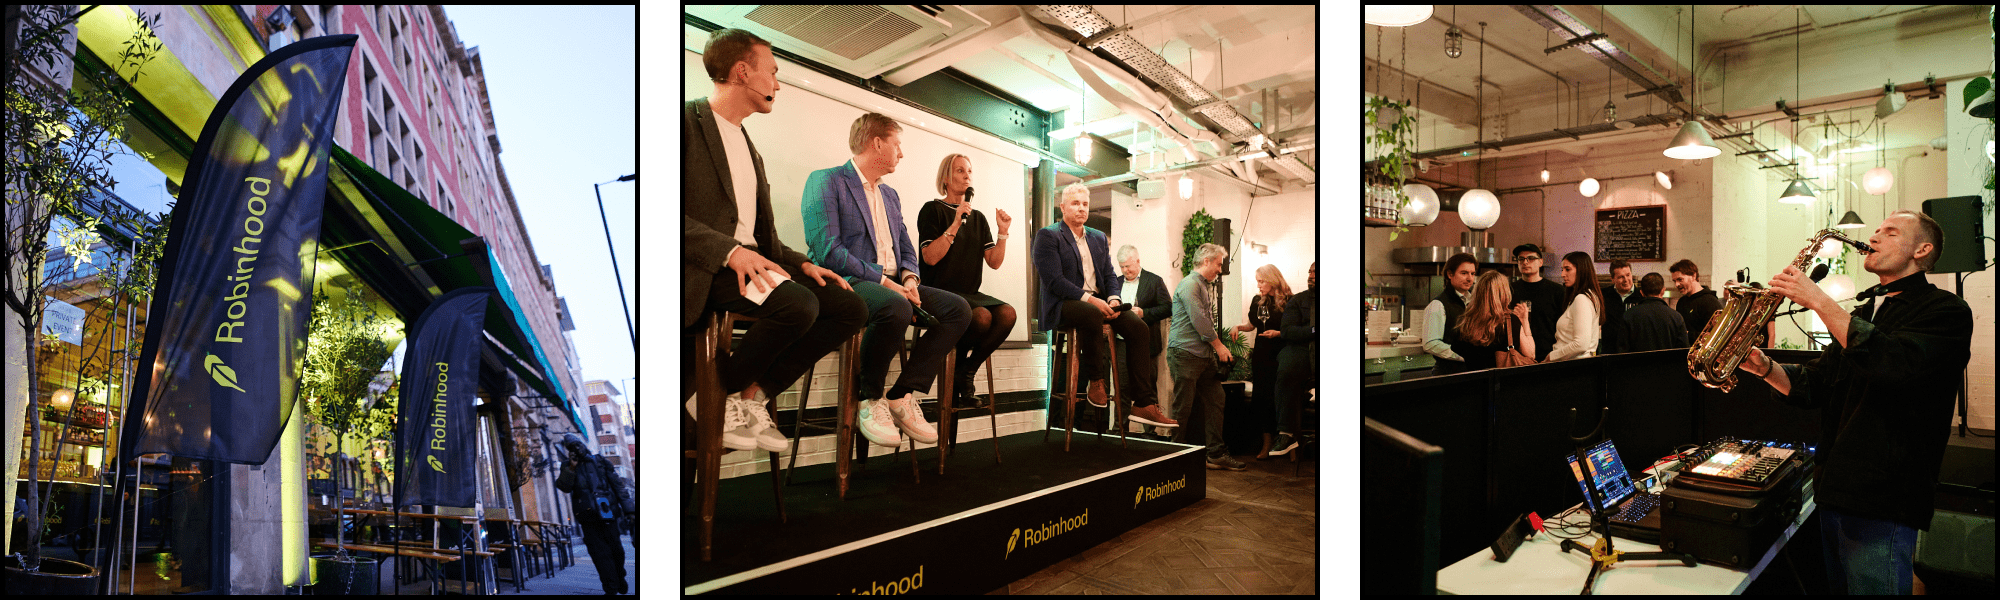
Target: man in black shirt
1697,302
1885,388
1545,294
1649,323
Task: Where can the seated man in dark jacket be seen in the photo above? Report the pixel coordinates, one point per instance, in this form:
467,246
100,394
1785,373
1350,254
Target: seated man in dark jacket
1649,323
1079,289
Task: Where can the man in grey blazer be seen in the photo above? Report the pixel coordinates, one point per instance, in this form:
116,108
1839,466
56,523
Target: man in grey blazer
732,258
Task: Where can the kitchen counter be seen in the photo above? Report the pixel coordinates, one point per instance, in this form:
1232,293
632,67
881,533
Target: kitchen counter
1390,360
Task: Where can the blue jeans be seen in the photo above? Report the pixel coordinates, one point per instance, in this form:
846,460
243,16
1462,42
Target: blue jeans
1865,555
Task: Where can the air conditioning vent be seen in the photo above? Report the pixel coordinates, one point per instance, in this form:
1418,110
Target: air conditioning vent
862,40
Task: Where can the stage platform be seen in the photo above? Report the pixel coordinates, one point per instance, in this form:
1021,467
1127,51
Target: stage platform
976,528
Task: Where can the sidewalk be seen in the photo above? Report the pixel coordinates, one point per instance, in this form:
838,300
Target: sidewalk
578,579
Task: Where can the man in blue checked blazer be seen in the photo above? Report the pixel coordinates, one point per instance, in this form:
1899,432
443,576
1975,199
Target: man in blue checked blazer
1084,296
854,226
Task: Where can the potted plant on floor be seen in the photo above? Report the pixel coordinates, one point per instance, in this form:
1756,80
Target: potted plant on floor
60,142
345,353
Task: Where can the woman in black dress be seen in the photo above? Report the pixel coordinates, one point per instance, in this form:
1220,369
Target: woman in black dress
953,240
1482,329
1267,310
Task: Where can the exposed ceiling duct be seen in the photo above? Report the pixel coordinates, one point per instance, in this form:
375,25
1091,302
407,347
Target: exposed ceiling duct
1153,109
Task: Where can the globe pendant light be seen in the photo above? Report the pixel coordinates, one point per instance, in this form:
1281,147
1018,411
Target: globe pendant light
1395,15
1588,187
1877,180
1479,208
1423,207
1693,143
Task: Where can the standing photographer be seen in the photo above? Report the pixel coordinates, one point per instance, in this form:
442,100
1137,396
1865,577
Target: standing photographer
599,503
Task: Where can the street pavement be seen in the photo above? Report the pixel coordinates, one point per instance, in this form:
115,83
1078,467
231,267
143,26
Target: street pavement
578,579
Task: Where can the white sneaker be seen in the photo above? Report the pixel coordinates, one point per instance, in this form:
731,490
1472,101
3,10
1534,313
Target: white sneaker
877,425
910,418
762,427
736,431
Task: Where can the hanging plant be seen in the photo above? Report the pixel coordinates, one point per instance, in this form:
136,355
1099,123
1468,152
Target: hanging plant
1392,130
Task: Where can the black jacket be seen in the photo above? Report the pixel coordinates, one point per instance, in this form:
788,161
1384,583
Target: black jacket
1156,302
1649,325
1886,400
708,205
1696,308
577,479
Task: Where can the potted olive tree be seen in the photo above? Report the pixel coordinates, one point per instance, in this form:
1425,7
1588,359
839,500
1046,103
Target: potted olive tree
345,351
60,140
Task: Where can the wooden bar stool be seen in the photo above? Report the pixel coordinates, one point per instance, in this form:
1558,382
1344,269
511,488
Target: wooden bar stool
1066,342
948,418
843,424
715,334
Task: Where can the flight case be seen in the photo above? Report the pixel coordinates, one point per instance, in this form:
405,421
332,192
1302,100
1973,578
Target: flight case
1729,529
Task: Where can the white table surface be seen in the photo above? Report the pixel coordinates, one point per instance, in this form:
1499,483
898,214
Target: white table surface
1540,566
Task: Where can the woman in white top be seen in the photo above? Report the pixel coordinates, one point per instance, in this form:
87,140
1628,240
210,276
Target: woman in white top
1582,322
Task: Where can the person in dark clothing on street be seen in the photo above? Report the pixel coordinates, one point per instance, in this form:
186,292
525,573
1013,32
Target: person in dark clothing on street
1885,388
599,503
1649,324
1698,302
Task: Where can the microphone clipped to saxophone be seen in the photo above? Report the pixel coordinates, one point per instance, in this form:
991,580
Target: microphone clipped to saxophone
1731,332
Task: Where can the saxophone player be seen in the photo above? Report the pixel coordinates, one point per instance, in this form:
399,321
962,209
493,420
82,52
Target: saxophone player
1885,387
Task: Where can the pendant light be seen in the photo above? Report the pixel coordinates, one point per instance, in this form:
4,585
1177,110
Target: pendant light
1798,192
1082,146
1479,208
1878,180
1693,142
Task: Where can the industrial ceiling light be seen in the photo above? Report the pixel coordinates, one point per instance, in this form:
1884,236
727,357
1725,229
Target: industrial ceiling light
1851,221
1797,193
1891,101
1692,143
1395,15
1662,178
1454,42
1187,187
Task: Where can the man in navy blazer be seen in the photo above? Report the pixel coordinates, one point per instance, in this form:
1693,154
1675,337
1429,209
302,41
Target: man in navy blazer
1084,295
854,226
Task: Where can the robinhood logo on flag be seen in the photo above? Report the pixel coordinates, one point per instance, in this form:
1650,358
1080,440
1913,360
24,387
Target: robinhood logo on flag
226,336
439,391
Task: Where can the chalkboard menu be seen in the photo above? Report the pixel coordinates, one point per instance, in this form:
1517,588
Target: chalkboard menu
1632,233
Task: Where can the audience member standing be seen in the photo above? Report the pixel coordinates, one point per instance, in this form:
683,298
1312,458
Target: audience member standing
1544,297
1583,317
1266,311
1483,329
1650,323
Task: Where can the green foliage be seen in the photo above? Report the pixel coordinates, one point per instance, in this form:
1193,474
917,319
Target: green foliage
1200,229
1396,142
1239,347
344,354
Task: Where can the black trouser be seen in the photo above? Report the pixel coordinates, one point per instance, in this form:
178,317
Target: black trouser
797,325
888,317
600,537
1090,333
1296,374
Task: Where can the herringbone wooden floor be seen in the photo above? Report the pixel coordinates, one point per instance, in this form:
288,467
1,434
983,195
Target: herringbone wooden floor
1255,533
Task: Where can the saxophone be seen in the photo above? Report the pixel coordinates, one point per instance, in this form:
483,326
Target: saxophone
1726,341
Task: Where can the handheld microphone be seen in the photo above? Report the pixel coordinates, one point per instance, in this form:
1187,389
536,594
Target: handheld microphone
1819,272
